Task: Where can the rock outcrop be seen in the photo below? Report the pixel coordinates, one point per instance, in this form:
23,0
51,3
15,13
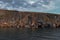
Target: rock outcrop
28,19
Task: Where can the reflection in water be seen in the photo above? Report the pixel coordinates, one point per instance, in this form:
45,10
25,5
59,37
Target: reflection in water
28,34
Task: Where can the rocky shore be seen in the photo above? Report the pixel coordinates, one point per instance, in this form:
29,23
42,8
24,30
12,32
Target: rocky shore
19,19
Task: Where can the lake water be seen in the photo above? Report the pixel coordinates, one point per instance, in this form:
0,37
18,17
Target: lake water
28,34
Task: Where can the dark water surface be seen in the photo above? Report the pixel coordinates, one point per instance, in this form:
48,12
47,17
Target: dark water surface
28,34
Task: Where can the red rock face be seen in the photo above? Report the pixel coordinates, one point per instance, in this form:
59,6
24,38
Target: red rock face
32,19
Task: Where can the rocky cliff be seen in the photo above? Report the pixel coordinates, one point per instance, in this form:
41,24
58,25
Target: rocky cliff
19,18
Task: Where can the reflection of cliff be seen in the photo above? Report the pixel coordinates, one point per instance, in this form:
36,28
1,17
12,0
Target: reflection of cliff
16,18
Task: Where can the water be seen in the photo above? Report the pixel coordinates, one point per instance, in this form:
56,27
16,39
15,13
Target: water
28,34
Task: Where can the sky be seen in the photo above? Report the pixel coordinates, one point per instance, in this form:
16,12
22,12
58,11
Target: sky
48,6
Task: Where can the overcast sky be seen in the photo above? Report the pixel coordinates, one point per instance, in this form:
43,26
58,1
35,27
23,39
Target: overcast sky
50,6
